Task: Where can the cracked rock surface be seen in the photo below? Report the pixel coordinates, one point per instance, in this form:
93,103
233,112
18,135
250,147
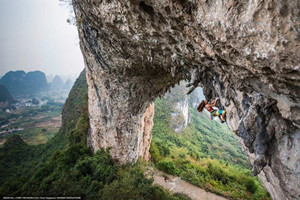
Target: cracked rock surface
244,52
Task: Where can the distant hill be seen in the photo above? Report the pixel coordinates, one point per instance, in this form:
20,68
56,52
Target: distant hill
64,78
49,78
5,98
68,85
57,83
22,83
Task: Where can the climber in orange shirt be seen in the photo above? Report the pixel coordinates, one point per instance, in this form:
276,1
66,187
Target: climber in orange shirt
209,107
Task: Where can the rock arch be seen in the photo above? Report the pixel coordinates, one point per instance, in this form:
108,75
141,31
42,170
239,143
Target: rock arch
244,52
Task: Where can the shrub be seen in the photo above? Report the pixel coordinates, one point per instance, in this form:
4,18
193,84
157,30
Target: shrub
155,152
251,185
168,166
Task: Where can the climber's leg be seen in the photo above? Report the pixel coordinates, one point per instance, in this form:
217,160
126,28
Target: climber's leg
219,118
224,115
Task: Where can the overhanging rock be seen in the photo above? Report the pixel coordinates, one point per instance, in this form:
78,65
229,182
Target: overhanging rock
244,52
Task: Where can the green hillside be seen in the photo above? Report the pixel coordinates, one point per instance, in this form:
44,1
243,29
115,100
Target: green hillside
5,98
205,153
18,160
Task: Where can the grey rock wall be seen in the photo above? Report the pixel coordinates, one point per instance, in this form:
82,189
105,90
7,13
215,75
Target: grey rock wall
180,115
244,52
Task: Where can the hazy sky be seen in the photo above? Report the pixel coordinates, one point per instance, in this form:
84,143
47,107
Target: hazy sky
34,35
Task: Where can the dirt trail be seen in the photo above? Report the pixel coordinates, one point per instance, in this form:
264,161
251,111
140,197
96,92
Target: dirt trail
2,141
176,185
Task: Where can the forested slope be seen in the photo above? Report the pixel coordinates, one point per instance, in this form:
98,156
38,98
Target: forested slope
65,166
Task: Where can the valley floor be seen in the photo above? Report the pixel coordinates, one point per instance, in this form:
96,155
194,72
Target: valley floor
176,185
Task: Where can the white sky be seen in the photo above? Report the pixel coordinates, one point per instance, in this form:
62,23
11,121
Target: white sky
34,35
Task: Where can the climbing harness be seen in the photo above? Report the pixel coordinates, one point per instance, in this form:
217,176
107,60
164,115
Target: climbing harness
215,113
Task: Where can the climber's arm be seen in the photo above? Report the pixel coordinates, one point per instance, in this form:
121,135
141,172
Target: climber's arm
214,102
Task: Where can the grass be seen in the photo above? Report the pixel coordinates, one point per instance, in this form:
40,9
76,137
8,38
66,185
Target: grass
37,135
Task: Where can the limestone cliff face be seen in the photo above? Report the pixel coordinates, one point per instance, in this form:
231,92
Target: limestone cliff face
180,115
146,127
245,52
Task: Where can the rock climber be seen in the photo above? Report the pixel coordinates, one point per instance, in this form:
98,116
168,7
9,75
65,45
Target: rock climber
166,178
209,107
